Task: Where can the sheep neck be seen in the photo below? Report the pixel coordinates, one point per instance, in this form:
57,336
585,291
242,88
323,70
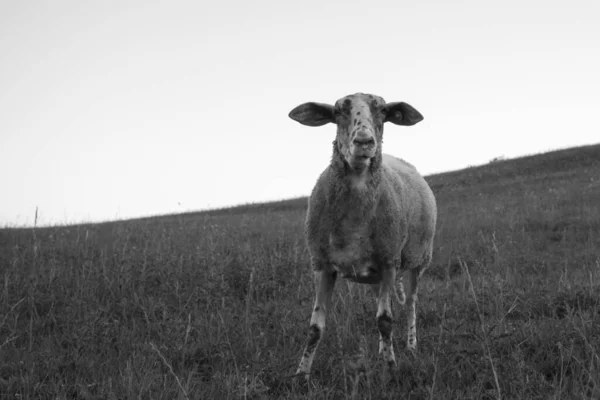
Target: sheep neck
353,197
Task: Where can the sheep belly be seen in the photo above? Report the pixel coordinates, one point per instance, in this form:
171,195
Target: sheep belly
353,259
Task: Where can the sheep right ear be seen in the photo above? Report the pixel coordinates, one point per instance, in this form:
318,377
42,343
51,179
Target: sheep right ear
312,114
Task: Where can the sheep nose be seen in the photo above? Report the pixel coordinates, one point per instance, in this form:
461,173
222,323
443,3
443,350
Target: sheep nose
364,141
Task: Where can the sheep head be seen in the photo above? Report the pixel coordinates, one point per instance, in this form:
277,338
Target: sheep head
359,119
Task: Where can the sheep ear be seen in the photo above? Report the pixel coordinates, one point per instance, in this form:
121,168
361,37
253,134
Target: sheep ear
312,114
402,114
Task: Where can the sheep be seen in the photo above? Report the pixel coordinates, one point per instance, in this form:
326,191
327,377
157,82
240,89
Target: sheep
370,215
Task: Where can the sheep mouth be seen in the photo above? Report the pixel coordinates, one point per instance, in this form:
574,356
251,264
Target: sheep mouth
363,154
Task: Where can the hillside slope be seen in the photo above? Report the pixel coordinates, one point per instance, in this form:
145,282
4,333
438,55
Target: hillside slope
216,304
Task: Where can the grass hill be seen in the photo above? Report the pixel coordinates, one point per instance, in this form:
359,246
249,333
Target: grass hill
216,304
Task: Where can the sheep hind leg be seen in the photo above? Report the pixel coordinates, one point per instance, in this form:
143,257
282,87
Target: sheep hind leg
324,284
384,316
402,297
412,281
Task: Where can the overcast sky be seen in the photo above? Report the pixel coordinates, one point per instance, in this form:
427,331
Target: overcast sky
117,109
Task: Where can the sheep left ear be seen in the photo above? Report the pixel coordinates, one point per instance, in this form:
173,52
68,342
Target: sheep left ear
402,114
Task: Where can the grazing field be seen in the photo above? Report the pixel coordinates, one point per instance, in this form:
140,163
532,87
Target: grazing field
216,305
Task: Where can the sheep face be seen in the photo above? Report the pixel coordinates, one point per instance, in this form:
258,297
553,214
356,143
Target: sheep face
359,118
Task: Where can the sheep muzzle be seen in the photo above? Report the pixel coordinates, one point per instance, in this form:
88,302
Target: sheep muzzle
361,150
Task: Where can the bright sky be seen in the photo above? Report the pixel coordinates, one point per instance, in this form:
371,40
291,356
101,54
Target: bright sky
117,109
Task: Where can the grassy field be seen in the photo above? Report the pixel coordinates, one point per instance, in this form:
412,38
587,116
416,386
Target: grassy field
216,305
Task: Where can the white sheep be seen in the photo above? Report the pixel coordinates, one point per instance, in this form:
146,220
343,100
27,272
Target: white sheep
369,215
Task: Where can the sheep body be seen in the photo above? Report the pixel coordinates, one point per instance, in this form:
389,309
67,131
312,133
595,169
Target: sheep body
354,230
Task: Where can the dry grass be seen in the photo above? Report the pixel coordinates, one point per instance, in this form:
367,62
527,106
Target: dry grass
216,305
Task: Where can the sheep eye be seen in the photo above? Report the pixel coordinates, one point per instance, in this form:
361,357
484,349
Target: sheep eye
384,111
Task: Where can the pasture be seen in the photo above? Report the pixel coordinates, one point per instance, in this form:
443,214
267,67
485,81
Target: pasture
216,305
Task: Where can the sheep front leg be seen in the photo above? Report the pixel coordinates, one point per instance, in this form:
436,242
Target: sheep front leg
384,316
324,283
